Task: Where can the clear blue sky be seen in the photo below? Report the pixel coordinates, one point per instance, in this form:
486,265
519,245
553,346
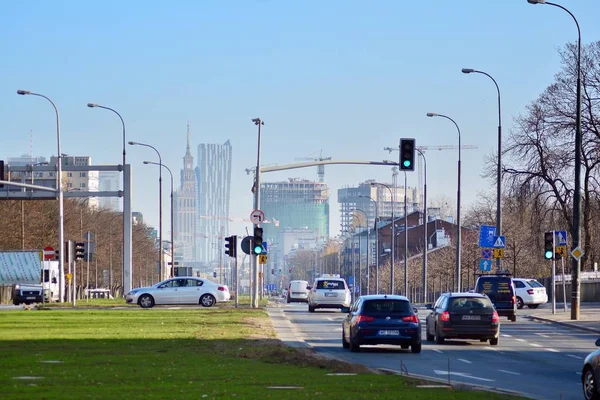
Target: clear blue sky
345,77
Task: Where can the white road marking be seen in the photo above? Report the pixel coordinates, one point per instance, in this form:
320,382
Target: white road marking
535,345
506,335
520,340
542,335
338,329
438,351
578,373
463,360
574,356
509,372
490,348
461,374
552,350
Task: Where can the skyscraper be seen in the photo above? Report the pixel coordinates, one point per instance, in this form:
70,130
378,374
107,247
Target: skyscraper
213,175
185,204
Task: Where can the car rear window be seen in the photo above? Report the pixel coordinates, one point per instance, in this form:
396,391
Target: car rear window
535,284
494,285
331,284
387,306
464,303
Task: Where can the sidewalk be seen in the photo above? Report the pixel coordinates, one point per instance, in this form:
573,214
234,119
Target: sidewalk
589,316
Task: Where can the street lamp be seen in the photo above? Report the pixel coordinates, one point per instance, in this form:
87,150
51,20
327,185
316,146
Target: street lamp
393,232
575,233
126,205
61,227
376,243
160,236
172,229
458,277
368,248
425,243
499,167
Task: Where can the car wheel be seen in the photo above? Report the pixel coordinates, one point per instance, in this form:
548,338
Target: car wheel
534,306
404,346
494,341
311,308
354,347
415,348
288,300
513,318
207,300
428,337
438,339
345,344
146,301
520,303
590,391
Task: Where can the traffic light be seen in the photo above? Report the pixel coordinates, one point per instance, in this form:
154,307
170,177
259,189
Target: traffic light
257,247
272,271
549,245
214,274
231,246
79,250
407,154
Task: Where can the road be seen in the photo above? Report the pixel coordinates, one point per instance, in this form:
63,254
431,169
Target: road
540,360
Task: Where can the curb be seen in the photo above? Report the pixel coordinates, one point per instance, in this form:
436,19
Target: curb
563,323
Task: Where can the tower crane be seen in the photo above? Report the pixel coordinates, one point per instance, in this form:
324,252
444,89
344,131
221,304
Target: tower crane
320,168
433,147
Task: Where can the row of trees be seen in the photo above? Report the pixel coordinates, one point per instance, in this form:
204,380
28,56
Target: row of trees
32,225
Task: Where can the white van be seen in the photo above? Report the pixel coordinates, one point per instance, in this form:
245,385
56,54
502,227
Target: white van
298,291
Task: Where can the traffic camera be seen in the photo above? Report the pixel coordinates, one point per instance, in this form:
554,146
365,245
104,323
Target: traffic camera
407,154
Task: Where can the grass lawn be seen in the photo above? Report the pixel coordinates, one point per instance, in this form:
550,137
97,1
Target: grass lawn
188,353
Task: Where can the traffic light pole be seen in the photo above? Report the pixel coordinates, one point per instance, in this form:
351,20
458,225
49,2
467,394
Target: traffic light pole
259,123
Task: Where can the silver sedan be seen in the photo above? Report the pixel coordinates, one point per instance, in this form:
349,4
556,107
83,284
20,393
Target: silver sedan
180,290
591,374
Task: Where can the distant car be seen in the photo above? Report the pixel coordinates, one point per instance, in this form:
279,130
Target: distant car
501,291
298,291
462,316
382,319
591,374
529,293
180,290
329,291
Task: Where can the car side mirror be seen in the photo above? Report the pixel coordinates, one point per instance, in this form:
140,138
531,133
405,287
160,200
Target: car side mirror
415,310
347,310
429,306
598,342
308,288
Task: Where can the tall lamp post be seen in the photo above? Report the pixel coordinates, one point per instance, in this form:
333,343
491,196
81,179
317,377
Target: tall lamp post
499,167
160,235
368,247
458,276
61,227
393,233
376,243
126,205
172,272
425,242
575,233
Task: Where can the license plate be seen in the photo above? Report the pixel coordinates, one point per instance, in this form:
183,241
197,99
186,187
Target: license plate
389,333
29,298
330,294
471,317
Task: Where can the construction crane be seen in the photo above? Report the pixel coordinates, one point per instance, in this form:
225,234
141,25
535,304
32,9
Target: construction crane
425,148
320,168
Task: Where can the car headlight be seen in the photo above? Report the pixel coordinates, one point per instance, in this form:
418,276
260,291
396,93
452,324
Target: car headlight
132,292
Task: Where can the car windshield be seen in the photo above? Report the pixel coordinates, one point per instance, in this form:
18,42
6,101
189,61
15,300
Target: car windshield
535,284
331,284
464,303
387,306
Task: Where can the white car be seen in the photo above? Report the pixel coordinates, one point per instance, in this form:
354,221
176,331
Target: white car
180,290
529,292
329,291
298,291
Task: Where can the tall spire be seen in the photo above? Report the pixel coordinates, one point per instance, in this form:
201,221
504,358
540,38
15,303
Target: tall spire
187,148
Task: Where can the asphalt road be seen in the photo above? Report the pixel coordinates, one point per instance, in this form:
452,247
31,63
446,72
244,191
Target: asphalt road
540,360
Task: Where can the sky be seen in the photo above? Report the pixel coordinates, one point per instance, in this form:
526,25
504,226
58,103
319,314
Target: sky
342,77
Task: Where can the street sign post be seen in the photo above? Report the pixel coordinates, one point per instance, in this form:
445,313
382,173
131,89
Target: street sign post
485,265
48,253
499,242
498,253
262,258
560,238
487,234
577,253
257,217
486,254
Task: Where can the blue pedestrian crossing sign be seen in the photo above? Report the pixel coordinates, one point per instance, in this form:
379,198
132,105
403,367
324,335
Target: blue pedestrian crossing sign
560,237
486,236
485,265
499,242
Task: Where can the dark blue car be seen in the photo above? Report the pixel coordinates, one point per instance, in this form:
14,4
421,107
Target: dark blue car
382,319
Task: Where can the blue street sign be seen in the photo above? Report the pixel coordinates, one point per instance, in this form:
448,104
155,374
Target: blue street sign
356,289
486,236
499,242
486,254
560,238
265,248
270,287
350,280
485,265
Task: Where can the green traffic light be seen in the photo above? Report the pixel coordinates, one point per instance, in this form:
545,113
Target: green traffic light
548,255
406,163
257,249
